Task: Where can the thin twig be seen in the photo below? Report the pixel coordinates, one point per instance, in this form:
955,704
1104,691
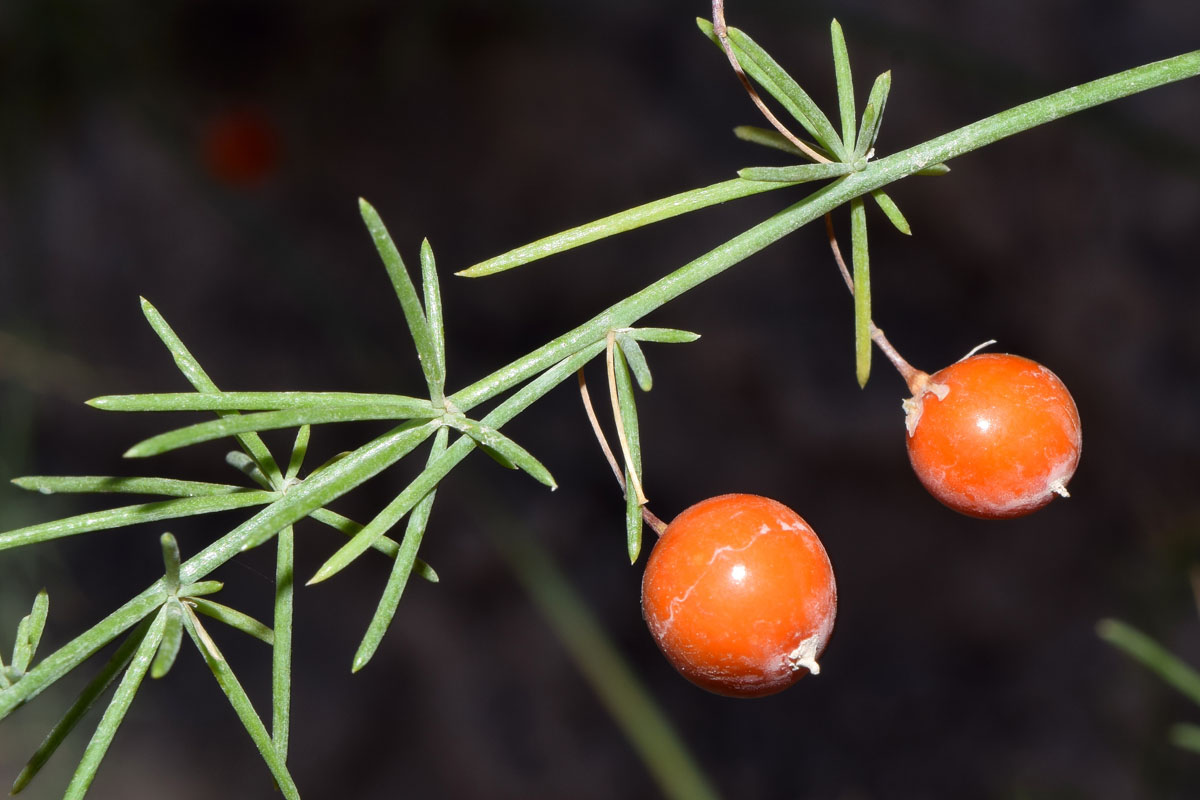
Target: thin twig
649,516
915,378
722,33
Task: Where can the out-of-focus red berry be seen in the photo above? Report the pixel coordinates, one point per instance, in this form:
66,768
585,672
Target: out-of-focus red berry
240,147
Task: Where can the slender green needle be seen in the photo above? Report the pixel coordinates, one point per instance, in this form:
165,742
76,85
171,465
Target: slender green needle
934,170
169,487
299,450
636,360
248,467
281,651
384,545
133,515
772,77
845,85
488,437
233,618
200,588
172,638
199,379
318,490
662,335
497,456
768,138
892,211
646,214
170,551
800,173
83,703
117,707
29,633
390,600
410,303
242,706
862,289
518,402
627,405
401,405
877,174
873,114
1186,736
627,700
1152,655
433,314
261,421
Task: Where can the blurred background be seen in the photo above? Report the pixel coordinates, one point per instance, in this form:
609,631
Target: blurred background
209,155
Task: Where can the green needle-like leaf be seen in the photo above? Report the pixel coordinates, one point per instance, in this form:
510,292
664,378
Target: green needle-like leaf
873,114
112,484
767,137
117,707
1152,655
433,313
199,379
172,638
934,170
389,547
299,450
845,85
402,405
170,551
133,515
662,335
262,421
242,706
281,651
234,619
627,404
801,173
29,633
518,402
772,77
386,609
246,465
418,325
636,217
488,437
862,289
636,360
892,211
200,588
83,703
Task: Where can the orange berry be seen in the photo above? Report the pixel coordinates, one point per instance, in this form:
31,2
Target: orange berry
994,436
740,596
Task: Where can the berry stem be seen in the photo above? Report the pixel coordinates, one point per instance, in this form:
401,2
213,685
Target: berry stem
916,379
648,516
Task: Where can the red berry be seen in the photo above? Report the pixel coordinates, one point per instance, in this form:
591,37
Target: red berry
241,147
994,436
740,596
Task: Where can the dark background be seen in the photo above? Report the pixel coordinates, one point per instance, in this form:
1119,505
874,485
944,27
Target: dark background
965,662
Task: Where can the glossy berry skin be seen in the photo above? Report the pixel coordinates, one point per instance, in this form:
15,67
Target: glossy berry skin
740,596
994,436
